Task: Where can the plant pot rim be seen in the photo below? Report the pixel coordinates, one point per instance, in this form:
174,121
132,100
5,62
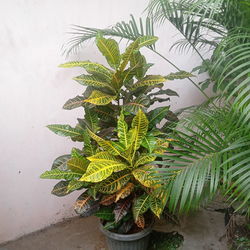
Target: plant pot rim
127,237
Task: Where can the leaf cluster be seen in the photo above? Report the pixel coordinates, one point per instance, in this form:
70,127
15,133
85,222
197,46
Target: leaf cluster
119,135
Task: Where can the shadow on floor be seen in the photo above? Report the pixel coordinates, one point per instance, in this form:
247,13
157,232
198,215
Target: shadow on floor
203,231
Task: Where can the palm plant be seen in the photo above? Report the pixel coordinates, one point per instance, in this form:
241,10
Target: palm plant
211,147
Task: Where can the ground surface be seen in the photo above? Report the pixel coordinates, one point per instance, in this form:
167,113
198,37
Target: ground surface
203,231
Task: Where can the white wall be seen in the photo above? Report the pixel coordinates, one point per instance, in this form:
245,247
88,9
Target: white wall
33,90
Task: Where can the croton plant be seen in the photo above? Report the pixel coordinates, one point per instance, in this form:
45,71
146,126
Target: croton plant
120,138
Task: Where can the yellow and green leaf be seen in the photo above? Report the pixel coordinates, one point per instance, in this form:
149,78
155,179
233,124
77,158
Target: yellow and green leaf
100,156
146,41
59,174
143,159
149,142
117,80
122,130
78,165
178,75
148,81
60,189
140,206
156,206
128,54
91,119
91,68
142,174
89,148
108,146
140,122
98,171
110,49
99,98
76,184
114,183
88,80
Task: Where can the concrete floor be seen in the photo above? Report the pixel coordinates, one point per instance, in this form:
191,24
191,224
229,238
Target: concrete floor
203,231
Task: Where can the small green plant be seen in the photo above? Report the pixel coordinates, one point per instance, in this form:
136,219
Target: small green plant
120,138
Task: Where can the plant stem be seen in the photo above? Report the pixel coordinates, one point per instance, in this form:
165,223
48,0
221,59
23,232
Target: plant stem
194,83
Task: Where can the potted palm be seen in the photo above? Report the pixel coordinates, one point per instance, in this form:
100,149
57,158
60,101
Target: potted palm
120,141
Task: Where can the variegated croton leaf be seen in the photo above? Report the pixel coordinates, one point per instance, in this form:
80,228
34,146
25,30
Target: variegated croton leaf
121,209
86,205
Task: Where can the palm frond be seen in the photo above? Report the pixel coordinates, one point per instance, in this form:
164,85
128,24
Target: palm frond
231,68
194,28
210,153
227,13
124,30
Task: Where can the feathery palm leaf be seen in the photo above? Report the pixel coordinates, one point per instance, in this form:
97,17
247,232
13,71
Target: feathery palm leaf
211,153
130,31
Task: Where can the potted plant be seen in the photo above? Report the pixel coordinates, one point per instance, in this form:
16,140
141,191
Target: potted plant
120,141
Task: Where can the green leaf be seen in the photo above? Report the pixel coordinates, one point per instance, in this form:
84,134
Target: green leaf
178,75
117,80
141,205
65,130
149,142
61,162
77,153
155,116
121,209
59,174
141,102
142,174
114,183
74,103
106,113
150,80
91,119
110,49
85,205
140,122
100,98
75,185
105,213
111,225
168,92
60,189
78,165
138,64
72,64
89,148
